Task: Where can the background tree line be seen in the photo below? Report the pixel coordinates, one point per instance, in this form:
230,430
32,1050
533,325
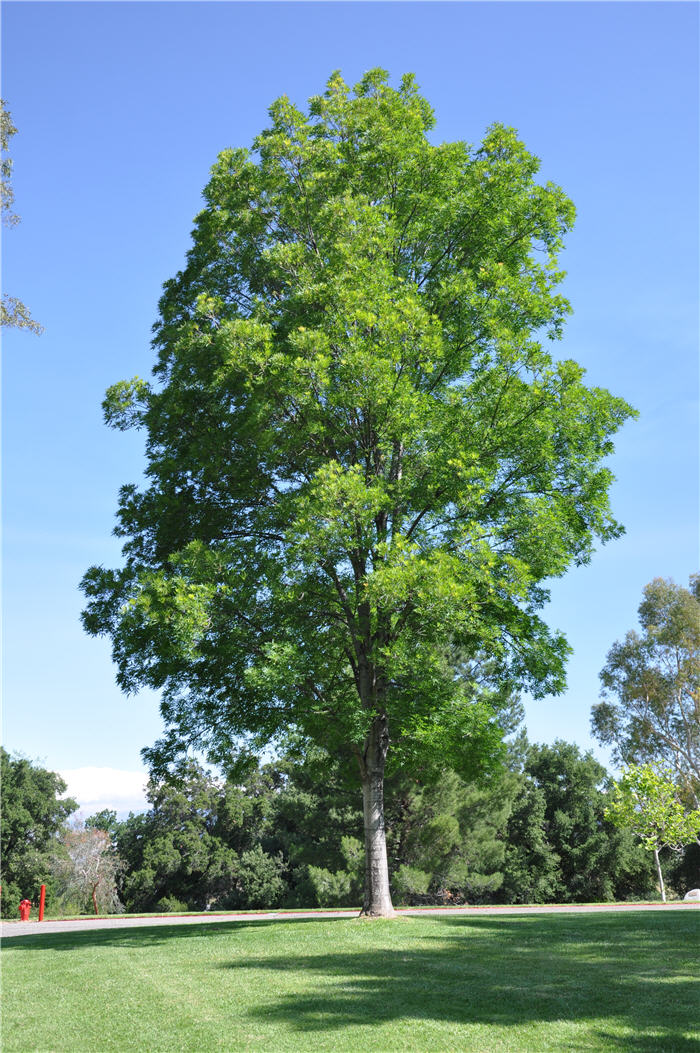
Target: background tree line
288,833
547,825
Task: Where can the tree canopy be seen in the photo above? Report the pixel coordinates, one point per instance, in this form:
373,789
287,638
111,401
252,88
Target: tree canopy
646,802
592,860
360,454
650,709
200,845
33,814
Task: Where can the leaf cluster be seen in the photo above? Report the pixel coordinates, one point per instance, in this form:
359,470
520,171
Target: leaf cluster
646,801
34,812
650,707
360,452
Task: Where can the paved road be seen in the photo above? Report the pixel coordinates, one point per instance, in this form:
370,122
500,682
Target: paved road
35,928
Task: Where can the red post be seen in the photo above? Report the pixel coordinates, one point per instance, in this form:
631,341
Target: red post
42,900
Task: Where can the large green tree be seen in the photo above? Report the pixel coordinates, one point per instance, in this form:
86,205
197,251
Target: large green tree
360,453
650,709
33,815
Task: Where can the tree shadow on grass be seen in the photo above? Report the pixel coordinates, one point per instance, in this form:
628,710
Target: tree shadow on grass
507,972
142,935
628,978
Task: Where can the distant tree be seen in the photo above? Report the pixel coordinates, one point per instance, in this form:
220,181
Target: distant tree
105,820
445,836
530,864
358,448
595,861
87,869
650,712
559,846
259,881
316,823
341,887
205,842
533,832
13,313
33,815
646,802
684,869
176,850
289,832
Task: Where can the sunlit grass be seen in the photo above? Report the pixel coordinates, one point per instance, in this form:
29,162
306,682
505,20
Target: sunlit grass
545,982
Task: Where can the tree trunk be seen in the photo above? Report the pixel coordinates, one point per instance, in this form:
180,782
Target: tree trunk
94,896
660,875
377,902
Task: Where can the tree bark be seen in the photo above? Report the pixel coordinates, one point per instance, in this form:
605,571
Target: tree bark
377,901
660,875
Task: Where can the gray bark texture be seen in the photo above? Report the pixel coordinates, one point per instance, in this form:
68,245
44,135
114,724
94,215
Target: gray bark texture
377,901
660,875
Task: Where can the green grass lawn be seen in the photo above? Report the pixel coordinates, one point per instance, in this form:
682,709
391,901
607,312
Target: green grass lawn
535,983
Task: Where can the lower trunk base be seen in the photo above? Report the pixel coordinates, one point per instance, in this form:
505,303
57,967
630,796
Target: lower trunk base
377,897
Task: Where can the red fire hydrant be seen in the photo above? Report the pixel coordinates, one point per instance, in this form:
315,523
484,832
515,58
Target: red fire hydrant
24,907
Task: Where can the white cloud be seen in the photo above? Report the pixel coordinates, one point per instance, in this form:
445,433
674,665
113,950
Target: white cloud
98,788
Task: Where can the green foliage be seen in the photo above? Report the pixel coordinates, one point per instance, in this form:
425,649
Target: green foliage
445,837
340,887
684,869
15,315
259,878
288,833
7,194
106,820
646,802
594,861
534,835
330,889
530,865
171,905
204,842
177,848
410,882
314,819
359,450
32,818
650,712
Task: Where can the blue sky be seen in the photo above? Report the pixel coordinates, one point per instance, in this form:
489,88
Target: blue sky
122,109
